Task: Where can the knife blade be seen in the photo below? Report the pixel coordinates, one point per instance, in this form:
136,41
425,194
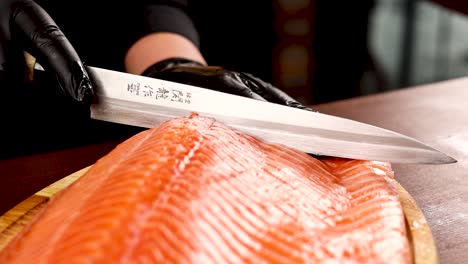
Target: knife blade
147,102
141,101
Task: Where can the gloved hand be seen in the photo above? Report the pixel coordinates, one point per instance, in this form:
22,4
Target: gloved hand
220,79
25,26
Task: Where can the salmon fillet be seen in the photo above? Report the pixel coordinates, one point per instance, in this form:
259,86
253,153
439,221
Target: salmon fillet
193,190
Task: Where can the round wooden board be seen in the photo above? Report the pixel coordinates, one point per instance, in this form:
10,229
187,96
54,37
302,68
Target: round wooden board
419,232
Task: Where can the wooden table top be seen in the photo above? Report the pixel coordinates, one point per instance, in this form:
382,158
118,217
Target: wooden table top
436,114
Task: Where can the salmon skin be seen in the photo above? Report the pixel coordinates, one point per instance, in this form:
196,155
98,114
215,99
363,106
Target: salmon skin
193,190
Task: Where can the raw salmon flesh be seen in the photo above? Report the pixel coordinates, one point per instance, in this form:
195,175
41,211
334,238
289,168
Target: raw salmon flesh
193,190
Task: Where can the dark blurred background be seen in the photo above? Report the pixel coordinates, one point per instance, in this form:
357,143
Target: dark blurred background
320,51
317,51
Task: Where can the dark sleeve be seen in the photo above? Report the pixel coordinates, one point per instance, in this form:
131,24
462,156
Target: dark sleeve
170,16
456,5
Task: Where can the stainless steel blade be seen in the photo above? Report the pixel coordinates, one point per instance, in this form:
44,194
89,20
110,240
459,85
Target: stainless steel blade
146,102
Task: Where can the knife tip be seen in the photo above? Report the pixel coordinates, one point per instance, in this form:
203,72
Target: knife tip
444,159
450,160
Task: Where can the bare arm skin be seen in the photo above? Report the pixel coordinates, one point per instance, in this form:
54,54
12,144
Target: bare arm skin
159,46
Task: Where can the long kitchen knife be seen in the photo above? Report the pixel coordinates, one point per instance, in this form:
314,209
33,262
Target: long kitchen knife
147,102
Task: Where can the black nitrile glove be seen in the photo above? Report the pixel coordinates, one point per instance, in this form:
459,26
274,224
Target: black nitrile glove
219,79
25,26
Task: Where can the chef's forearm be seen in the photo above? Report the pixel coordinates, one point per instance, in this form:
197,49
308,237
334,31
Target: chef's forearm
170,16
169,32
159,46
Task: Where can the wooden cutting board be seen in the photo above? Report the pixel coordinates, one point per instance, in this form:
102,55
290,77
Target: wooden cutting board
419,232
